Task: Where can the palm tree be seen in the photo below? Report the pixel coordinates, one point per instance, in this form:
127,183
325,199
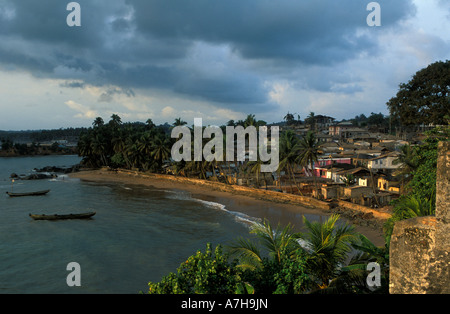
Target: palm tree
99,147
255,167
309,153
279,244
231,123
289,118
85,148
115,121
250,120
149,124
98,122
119,146
161,150
311,120
289,152
348,179
413,206
408,163
179,122
409,206
145,147
353,277
132,152
369,252
199,167
328,247
273,261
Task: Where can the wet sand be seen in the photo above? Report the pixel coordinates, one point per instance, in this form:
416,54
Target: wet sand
275,212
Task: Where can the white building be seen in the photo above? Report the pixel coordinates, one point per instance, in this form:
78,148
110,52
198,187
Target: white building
384,162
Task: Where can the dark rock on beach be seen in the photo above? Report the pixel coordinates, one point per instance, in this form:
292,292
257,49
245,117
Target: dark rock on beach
48,172
38,176
54,169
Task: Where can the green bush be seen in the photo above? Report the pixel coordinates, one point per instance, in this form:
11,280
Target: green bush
206,273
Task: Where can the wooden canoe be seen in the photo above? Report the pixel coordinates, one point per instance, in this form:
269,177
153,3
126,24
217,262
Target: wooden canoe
61,217
28,194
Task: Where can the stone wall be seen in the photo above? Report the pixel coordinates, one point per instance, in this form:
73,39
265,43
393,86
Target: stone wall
380,215
419,248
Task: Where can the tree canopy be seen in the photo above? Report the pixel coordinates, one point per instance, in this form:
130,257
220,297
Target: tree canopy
425,98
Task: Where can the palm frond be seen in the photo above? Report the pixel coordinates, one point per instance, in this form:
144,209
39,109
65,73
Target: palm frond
247,252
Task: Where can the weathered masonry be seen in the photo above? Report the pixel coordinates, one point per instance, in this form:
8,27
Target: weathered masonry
419,248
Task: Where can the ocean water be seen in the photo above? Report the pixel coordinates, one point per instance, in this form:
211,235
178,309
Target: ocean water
139,234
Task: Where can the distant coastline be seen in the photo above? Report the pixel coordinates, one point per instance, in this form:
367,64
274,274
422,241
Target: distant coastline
12,153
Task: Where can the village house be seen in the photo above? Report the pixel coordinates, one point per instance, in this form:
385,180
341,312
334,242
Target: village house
338,128
346,130
329,147
299,129
373,151
324,138
332,171
355,192
322,165
384,162
332,190
361,160
392,144
355,173
322,122
367,139
353,132
388,183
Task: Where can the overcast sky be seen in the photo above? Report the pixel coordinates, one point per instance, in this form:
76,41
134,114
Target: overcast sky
211,59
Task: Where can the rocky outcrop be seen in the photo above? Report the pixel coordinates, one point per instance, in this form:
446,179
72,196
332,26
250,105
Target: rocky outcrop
54,169
38,176
48,172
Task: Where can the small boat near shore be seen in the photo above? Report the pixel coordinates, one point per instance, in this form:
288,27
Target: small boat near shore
63,217
37,193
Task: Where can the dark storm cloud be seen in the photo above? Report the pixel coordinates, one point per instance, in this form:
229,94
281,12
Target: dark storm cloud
145,43
45,21
319,32
109,94
73,84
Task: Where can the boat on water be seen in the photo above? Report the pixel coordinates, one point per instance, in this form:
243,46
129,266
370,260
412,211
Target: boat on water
37,193
63,217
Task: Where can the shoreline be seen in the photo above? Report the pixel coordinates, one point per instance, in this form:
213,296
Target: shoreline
14,155
249,201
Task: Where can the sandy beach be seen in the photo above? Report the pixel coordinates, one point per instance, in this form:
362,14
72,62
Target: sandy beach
274,211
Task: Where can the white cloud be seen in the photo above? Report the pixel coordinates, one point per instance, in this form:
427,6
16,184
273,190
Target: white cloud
168,111
84,111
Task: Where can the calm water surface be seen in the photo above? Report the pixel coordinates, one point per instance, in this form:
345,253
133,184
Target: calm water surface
139,234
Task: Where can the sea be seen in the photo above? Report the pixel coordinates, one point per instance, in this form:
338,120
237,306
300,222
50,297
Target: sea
138,235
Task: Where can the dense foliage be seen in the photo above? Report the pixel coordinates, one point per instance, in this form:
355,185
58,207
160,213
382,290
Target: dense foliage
208,272
420,163
39,136
276,262
129,145
425,98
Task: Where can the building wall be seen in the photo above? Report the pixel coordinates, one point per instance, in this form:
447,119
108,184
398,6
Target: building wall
383,163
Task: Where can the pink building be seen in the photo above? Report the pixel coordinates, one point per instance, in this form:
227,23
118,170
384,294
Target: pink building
320,169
